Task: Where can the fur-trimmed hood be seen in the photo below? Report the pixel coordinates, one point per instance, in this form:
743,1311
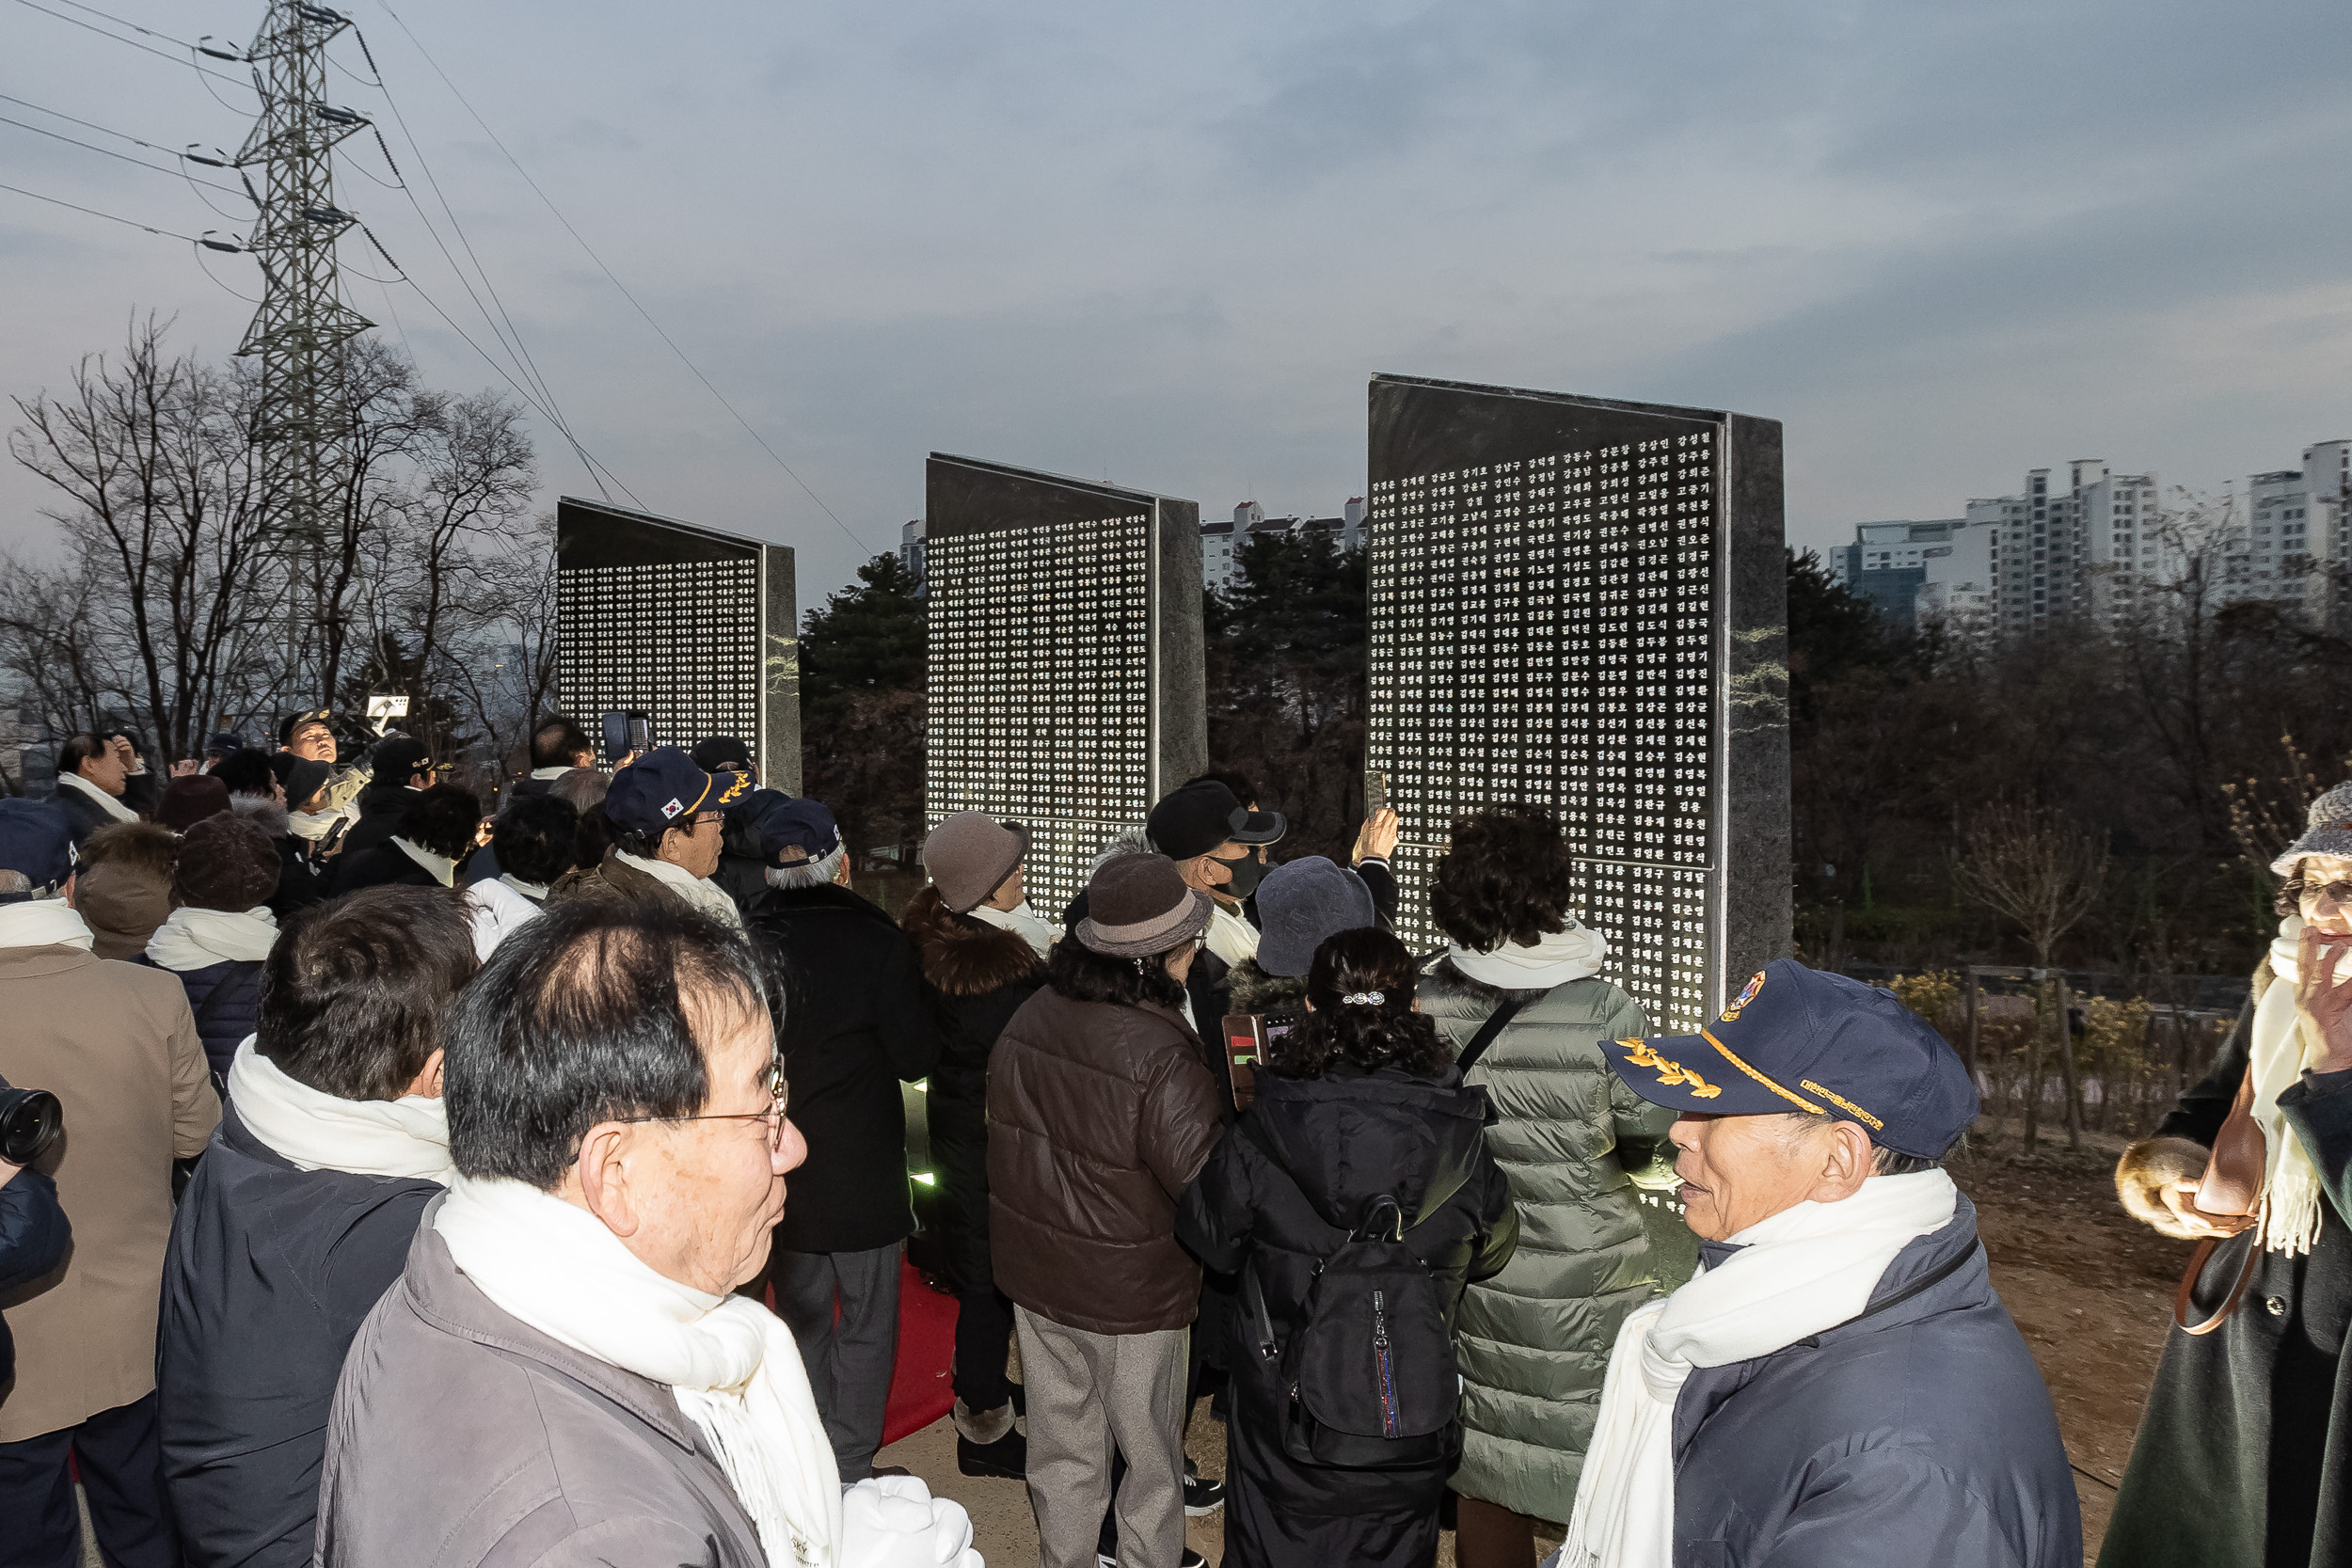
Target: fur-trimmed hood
964,957
1256,991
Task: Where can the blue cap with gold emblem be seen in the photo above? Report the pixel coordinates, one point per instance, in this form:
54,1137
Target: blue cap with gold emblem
663,789
1804,1040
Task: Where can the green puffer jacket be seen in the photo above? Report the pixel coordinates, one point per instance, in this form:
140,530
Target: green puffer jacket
1535,1340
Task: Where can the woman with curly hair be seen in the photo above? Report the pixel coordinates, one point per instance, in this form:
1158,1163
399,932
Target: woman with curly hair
1535,1338
2240,1460
1361,1103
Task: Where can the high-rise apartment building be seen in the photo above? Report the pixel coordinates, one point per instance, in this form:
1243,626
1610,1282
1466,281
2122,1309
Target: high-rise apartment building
1221,542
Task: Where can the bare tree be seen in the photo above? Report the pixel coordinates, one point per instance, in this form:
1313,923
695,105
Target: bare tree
152,459
2046,874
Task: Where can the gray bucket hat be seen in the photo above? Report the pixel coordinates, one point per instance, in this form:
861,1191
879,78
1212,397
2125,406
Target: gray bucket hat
2328,831
1300,903
1138,906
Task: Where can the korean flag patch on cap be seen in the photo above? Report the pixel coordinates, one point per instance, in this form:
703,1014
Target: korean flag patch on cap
674,807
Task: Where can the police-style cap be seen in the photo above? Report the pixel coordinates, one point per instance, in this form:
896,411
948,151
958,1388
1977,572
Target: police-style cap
663,789
1803,1040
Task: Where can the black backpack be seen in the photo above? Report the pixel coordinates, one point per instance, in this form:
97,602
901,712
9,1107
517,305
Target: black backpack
1369,1381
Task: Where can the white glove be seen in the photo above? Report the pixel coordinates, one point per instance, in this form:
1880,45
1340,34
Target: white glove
894,1522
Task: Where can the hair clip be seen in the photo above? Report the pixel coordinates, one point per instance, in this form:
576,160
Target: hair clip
1364,998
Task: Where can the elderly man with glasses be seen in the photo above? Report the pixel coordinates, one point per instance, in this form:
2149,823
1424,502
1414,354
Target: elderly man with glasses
562,1374
670,817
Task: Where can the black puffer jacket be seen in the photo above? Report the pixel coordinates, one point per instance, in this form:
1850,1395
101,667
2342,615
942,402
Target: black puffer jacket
975,978
1275,1197
851,1025
383,812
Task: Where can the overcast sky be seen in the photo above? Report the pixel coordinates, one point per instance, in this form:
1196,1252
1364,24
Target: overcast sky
1943,242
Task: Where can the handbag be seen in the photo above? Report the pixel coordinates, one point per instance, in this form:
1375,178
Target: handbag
2232,1186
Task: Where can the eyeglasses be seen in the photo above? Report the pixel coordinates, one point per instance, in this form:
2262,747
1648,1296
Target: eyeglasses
2338,893
778,1091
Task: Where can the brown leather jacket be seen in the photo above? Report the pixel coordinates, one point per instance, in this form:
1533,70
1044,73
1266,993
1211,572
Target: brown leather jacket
1098,1116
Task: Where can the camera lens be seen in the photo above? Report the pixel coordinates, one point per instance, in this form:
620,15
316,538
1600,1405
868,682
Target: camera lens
30,1121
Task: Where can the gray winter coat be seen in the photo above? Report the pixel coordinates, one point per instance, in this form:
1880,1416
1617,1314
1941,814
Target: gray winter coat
1535,1340
1918,1433
461,1439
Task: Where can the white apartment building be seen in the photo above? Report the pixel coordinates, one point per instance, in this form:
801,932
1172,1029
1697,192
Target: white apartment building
1222,541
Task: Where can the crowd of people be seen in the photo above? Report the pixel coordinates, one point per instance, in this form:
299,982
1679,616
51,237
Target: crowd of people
529,1185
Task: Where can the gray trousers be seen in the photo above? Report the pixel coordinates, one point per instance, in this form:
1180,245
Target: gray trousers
1087,1394
850,1359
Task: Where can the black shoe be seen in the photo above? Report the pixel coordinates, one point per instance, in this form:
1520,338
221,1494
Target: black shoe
1108,1558
1201,1495
1006,1459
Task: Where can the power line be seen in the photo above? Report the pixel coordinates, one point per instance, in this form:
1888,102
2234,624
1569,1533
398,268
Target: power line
431,304
612,277
128,223
110,153
510,338
133,42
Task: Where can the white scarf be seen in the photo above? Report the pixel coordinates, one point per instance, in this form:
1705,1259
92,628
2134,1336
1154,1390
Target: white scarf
731,1362
312,825
1229,936
1801,1271
43,923
1021,921
112,807
408,1136
536,891
701,892
442,867
498,912
1557,957
549,774
198,938
2284,1045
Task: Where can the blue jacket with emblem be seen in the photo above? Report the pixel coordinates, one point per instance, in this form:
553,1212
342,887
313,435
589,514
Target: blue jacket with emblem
1918,1433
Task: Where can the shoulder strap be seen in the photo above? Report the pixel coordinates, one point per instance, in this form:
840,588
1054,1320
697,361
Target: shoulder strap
1487,1034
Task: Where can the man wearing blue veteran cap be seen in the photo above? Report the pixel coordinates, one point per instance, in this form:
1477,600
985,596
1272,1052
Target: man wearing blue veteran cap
1839,1383
669,815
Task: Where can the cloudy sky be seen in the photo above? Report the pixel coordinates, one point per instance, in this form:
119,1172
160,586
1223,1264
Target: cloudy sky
1945,241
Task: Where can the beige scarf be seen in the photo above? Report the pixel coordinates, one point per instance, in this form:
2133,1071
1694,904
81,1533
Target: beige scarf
701,892
2284,1045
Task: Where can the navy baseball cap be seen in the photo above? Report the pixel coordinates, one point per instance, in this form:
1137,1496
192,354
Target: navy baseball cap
37,840
224,743
663,789
1803,1040
789,821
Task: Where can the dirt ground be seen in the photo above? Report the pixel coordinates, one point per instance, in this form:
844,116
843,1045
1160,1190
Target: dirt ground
2090,1288
2091,1292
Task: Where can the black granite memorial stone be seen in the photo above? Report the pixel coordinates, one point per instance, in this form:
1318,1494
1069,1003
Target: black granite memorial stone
1065,686
696,628
1581,604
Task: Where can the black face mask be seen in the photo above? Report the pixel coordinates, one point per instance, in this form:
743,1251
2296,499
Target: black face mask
1246,872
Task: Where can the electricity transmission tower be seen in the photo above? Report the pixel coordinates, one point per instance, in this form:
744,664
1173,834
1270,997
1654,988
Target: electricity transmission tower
303,322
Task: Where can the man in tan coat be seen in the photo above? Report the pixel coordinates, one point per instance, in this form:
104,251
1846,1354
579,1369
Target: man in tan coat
116,1045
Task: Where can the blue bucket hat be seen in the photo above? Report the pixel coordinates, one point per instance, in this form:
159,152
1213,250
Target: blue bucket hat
1803,1040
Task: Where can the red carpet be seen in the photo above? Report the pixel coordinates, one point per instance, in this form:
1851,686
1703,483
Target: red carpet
920,1391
